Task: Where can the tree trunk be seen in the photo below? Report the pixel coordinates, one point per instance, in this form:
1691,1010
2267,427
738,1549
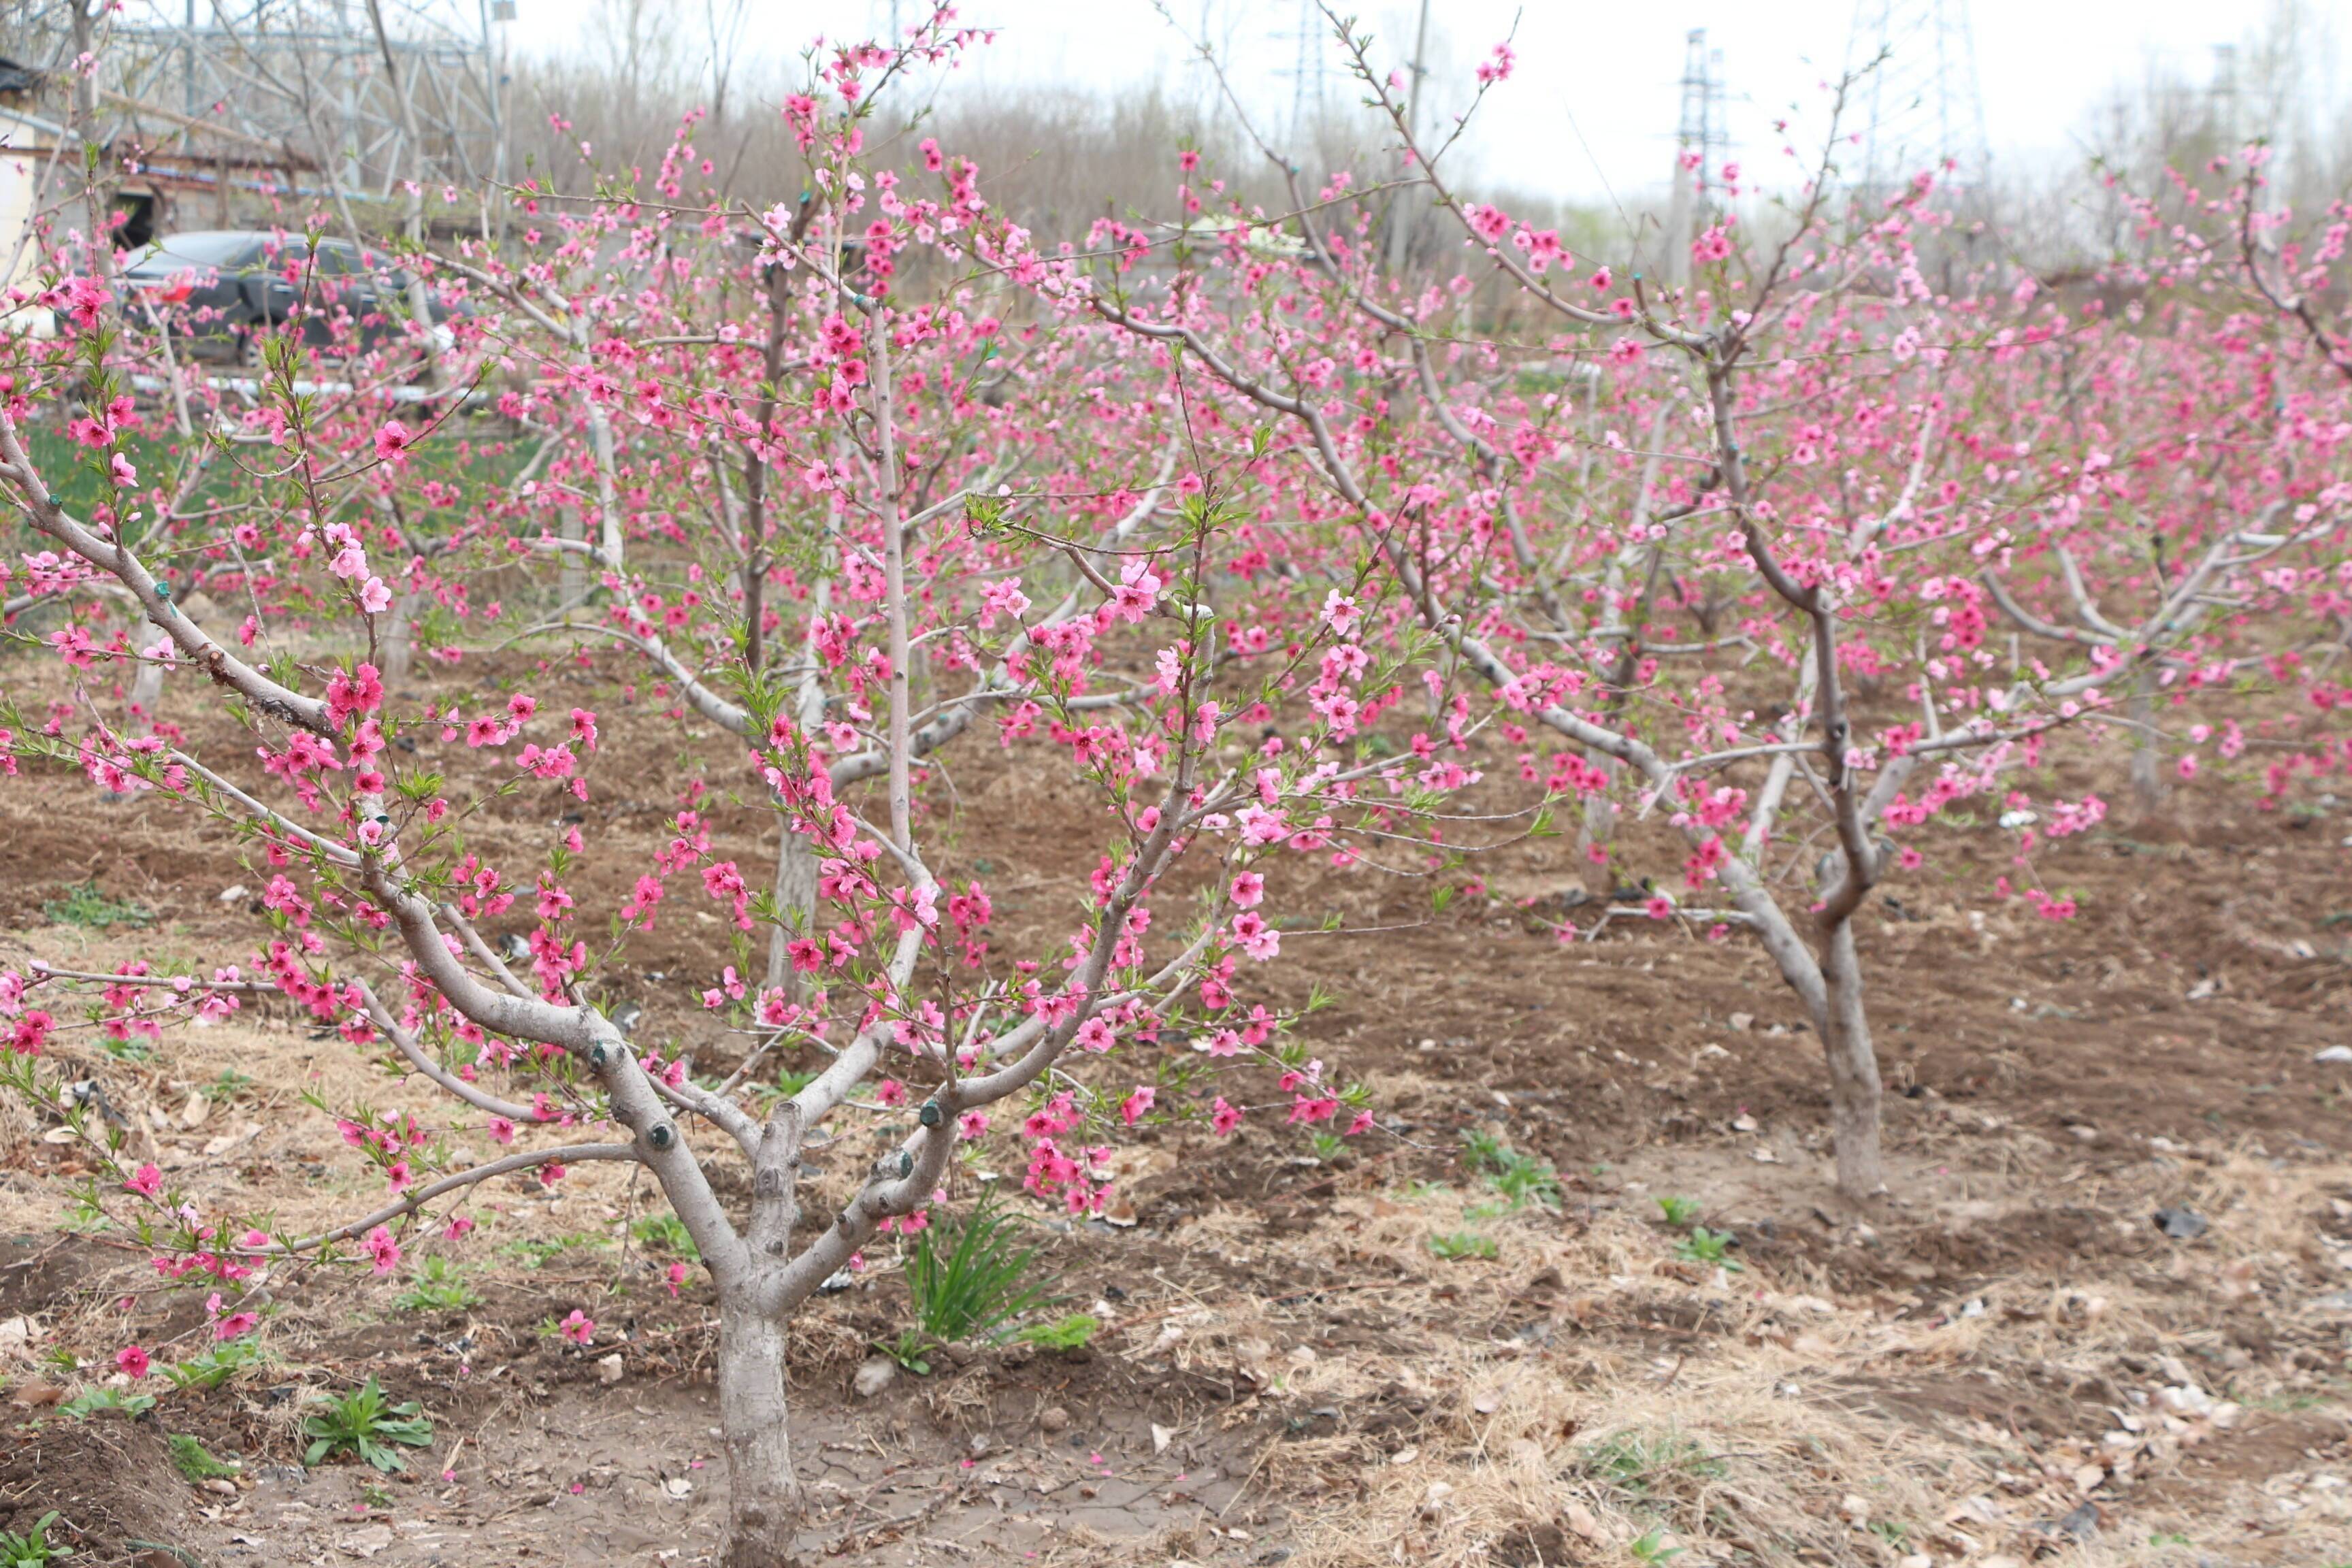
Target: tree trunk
2147,762
572,583
146,692
795,906
1600,822
399,640
763,1503
1855,1092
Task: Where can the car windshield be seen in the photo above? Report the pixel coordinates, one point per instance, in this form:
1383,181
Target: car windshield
174,252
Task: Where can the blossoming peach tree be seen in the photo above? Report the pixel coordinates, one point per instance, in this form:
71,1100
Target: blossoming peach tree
1741,554
839,567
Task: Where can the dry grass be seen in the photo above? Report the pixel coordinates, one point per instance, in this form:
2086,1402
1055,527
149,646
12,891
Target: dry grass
1779,1431
1585,1397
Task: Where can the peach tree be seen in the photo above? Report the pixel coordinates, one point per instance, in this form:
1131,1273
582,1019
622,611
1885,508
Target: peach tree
1082,608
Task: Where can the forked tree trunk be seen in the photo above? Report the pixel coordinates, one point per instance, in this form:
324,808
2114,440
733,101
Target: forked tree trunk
1855,1091
1827,979
764,1502
796,890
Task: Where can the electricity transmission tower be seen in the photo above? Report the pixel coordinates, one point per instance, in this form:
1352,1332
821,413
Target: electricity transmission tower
1701,144
1309,79
1920,104
1405,206
2223,94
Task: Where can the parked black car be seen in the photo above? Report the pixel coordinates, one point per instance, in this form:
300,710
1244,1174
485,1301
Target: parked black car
224,290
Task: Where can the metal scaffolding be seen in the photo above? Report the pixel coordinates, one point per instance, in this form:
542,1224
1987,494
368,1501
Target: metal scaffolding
347,99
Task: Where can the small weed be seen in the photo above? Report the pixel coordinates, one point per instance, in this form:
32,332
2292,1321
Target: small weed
194,1463
793,1082
539,1254
1068,1334
90,1400
2169,1538
210,1369
437,1286
1481,1149
1463,1244
230,1086
1643,1463
1526,1181
1327,1146
365,1422
34,1551
85,906
911,1350
1521,1179
664,1232
1652,1547
1705,1245
977,1288
1680,1211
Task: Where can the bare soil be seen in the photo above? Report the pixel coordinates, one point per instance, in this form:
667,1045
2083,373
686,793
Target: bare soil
2006,1359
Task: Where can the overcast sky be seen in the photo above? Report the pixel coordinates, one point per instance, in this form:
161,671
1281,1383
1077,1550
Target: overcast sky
1592,106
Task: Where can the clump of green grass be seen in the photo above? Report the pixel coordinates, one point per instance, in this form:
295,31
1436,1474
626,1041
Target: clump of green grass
537,1253
194,1462
437,1286
84,905
664,1232
1650,1464
1705,1245
1700,1245
979,1287
1519,1179
1680,1211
